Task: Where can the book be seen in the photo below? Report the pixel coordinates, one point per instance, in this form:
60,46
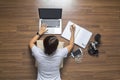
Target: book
82,35
40,45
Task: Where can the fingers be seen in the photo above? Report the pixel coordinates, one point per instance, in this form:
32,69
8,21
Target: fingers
44,25
46,30
72,27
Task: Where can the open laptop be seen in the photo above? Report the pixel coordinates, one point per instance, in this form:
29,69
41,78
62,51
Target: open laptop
52,18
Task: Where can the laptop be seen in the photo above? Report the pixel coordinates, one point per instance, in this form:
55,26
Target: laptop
52,18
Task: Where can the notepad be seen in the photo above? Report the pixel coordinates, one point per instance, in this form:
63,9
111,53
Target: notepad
82,35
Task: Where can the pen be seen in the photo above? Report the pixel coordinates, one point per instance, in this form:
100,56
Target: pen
77,33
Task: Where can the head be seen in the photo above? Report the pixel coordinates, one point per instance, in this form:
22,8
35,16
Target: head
50,44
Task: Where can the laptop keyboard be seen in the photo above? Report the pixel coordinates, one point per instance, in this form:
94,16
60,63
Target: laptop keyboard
51,23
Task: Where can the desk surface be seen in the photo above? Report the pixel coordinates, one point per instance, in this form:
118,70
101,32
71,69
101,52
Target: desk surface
19,23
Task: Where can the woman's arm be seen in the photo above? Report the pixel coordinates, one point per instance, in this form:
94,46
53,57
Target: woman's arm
71,43
42,30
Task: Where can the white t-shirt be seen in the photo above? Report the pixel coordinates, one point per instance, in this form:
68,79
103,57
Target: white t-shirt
48,66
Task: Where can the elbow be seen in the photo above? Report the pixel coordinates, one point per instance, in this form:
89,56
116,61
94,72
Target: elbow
31,44
72,45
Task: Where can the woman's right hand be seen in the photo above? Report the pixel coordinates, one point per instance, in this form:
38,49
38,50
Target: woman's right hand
72,28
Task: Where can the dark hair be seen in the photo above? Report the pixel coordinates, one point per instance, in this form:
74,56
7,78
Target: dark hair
50,44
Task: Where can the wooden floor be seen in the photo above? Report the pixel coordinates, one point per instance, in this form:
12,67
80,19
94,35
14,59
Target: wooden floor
19,23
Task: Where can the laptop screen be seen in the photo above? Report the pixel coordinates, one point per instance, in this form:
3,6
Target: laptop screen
50,13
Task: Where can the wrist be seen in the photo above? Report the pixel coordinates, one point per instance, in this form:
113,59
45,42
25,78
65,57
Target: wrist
38,34
72,33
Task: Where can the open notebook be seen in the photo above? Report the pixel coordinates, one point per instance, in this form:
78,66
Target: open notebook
40,45
82,36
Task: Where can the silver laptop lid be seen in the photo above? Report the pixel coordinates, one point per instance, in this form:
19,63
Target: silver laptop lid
50,13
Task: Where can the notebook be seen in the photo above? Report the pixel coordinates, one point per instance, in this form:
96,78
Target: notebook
52,18
82,35
40,45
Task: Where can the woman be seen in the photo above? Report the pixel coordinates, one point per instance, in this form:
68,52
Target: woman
49,60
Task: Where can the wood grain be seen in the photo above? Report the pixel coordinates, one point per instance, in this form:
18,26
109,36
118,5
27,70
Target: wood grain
19,23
